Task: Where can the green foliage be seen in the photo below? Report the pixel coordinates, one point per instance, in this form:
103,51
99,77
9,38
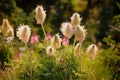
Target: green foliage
94,69
65,64
6,7
59,67
112,62
116,20
79,5
17,15
5,55
112,58
118,4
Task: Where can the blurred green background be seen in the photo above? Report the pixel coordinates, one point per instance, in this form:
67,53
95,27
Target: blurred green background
100,17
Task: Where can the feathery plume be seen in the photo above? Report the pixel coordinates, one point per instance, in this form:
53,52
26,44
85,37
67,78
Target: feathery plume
6,29
23,33
80,33
75,19
50,51
5,26
77,49
92,50
40,17
56,41
67,29
40,14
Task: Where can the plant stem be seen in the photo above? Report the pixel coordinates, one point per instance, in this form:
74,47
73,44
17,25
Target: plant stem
80,68
13,61
53,69
80,64
43,30
70,76
30,60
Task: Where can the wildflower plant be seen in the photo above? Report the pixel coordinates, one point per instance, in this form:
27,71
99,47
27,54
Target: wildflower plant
6,50
40,17
23,33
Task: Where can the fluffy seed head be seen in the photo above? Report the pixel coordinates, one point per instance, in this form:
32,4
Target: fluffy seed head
23,33
80,33
67,29
40,14
6,29
92,50
5,26
50,51
77,49
75,19
56,41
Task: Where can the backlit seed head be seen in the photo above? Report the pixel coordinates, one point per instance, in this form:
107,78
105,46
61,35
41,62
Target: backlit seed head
67,29
80,33
92,50
40,14
56,41
77,49
23,33
75,19
50,51
6,29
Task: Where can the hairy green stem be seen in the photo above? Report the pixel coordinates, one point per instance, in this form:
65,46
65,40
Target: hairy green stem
80,57
43,30
30,60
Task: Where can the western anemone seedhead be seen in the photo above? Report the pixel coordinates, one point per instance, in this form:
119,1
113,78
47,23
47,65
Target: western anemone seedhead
6,29
23,33
56,41
92,50
77,49
75,19
67,29
80,33
50,51
40,14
